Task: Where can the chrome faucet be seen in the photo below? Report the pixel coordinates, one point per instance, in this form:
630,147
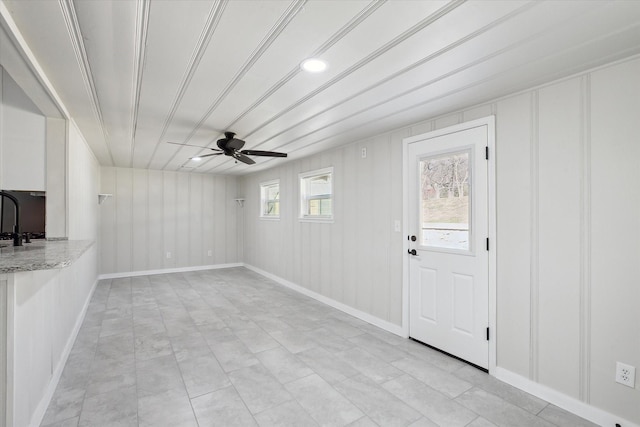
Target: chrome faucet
17,235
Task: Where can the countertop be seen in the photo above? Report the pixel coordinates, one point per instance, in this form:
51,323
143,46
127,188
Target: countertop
41,255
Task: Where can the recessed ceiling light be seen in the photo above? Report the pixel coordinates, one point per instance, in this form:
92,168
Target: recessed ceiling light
196,159
313,65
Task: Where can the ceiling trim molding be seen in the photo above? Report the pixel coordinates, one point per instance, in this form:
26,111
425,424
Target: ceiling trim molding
444,10
215,14
335,38
139,58
416,64
75,35
551,79
372,56
266,42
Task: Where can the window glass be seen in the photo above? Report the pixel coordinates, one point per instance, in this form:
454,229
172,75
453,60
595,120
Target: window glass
445,185
316,194
270,199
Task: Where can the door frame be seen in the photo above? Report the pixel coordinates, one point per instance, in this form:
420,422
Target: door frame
489,122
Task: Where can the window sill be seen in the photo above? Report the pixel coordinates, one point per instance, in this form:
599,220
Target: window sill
270,218
325,220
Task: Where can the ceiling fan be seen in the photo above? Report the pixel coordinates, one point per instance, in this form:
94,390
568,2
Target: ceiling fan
231,146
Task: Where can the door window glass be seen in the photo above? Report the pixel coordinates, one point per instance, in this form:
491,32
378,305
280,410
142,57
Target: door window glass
445,200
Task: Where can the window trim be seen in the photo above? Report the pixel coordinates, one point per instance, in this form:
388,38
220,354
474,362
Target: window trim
263,186
302,199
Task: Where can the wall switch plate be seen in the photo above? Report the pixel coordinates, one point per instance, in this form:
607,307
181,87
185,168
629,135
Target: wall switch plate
397,226
168,255
209,252
626,374
364,152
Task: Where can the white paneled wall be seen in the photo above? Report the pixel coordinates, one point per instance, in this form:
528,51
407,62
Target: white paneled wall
356,259
84,185
568,249
162,220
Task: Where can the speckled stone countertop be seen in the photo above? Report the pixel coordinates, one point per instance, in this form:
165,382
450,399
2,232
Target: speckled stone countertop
41,255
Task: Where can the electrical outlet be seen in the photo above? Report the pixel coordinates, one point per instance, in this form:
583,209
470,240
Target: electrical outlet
168,255
626,374
209,252
364,152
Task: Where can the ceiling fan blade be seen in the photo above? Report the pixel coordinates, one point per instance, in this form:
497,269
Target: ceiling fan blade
263,153
205,155
244,159
191,145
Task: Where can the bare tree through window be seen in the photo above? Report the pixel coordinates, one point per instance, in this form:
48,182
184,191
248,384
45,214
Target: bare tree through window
444,187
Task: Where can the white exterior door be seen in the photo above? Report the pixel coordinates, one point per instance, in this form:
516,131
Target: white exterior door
447,183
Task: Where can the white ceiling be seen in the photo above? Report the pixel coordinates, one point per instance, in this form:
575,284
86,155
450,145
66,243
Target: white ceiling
135,74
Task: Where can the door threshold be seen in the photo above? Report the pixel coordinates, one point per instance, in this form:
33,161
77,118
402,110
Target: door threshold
450,355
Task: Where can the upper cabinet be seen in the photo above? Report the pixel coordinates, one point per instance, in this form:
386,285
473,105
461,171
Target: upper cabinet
22,139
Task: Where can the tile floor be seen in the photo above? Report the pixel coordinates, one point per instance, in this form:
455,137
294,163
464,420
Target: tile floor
232,348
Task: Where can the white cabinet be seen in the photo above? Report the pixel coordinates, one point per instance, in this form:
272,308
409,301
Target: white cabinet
22,139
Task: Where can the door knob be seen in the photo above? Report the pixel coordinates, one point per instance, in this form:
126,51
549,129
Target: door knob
412,252
414,238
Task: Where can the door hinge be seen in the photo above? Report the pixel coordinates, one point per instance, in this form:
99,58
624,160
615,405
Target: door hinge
487,243
487,334
486,152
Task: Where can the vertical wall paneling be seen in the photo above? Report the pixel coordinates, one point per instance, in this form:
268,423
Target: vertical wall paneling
559,235
615,241
230,219
478,112
513,181
351,244
56,173
296,226
108,222
585,239
155,220
170,210
535,246
219,226
326,264
196,219
124,218
83,174
183,225
397,240
337,230
364,227
381,227
140,223
207,219
154,214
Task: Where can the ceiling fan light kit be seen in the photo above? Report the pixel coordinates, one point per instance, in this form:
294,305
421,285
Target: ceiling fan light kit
232,147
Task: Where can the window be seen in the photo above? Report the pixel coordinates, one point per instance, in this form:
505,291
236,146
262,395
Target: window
445,184
316,195
270,199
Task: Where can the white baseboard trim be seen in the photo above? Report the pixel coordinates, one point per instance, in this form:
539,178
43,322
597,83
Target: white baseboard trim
168,270
369,318
41,409
561,400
